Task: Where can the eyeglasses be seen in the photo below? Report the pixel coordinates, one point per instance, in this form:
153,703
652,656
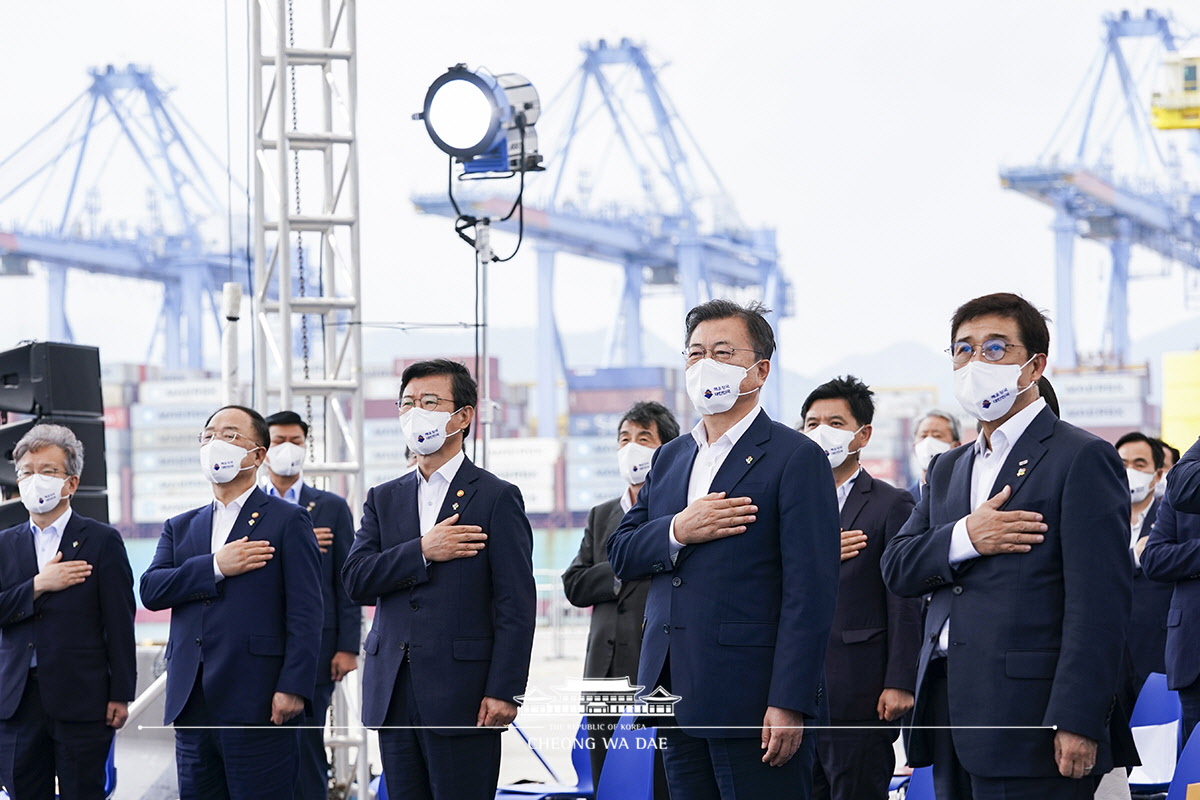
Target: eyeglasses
722,353
991,350
50,472
429,402
204,437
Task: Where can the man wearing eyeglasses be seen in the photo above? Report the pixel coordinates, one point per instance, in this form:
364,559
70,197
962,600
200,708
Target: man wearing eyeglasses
445,553
1022,537
737,528
241,576
67,656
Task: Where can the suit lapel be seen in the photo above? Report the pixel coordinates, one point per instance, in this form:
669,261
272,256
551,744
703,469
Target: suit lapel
200,533
73,537
958,499
856,500
27,552
1024,455
309,499
745,454
250,515
461,490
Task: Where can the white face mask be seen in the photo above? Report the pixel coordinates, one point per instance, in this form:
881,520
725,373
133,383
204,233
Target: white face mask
1160,488
925,449
834,441
634,462
713,386
41,493
425,431
1139,484
285,459
221,461
987,391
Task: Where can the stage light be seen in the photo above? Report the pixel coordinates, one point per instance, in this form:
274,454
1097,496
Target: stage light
484,121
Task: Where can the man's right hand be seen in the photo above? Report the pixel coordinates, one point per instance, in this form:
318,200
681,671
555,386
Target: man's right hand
713,516
242,555
447,541
58,575
852,542
993,531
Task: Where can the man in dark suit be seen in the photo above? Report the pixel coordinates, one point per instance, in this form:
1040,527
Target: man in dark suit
1143,461
1173,555
1022,538
67,656
446,555
618,607
871,664
737,528
241,576
334,530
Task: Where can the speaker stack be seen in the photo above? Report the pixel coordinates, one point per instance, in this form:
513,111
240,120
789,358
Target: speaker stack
58,384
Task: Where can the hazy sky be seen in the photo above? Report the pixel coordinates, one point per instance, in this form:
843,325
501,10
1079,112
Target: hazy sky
868,134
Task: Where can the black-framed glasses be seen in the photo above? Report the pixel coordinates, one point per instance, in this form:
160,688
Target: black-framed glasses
720,353
49,472
991,350
204,437
429,402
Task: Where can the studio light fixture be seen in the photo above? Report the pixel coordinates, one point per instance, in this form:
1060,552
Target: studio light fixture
484,121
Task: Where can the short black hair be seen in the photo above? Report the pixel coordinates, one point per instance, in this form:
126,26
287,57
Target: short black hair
256,422
462,385
1035,335
852,390
1156,452
1167,448
753,314
288,418
647,413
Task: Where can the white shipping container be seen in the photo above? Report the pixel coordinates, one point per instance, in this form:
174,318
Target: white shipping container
206,392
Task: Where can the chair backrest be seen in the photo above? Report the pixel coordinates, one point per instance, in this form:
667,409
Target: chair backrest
628,772
1156,704
110,771
1187,770
581,759
920,785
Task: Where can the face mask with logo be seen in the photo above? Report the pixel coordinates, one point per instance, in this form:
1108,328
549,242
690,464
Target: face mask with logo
987,391
221,461
285,459
925,449
834,441
1160,488
713,386
634,462
41,493
425,431
1139,484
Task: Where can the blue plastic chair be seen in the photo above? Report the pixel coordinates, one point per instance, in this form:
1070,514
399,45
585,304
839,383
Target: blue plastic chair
1155,723
1187,769
920,785
629,765
582,789
379,787
110,773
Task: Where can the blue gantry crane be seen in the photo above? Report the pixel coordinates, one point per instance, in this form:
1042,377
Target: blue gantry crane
123,128
626,183
1111,177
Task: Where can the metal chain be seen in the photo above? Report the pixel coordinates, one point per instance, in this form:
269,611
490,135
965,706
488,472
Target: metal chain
299,239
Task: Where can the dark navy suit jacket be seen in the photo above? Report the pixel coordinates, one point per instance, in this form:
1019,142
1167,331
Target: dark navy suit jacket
83,635
466,624
876,635
745,619
1037,638
342,630
257,633
1173,555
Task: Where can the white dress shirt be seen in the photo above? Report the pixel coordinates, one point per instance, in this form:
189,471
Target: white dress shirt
45,544
984,472
224,516
709,459
843,491
432,493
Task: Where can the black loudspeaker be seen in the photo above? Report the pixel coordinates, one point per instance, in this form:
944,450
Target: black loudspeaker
51,378
89,504
90,433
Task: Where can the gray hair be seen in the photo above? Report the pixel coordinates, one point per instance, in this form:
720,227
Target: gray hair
40,436
950,418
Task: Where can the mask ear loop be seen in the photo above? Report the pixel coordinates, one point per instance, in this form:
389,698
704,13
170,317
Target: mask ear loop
1031,383
756,388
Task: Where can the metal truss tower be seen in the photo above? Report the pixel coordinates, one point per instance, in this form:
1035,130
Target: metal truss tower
307,281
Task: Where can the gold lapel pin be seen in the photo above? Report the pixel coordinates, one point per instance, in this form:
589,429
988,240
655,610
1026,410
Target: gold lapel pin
254,515
311,506
460,493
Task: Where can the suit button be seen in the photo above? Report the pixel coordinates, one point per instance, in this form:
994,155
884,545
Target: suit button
31,645
957,590
208,602
677,581
197,641
414,606
610,641
933,637
666,629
